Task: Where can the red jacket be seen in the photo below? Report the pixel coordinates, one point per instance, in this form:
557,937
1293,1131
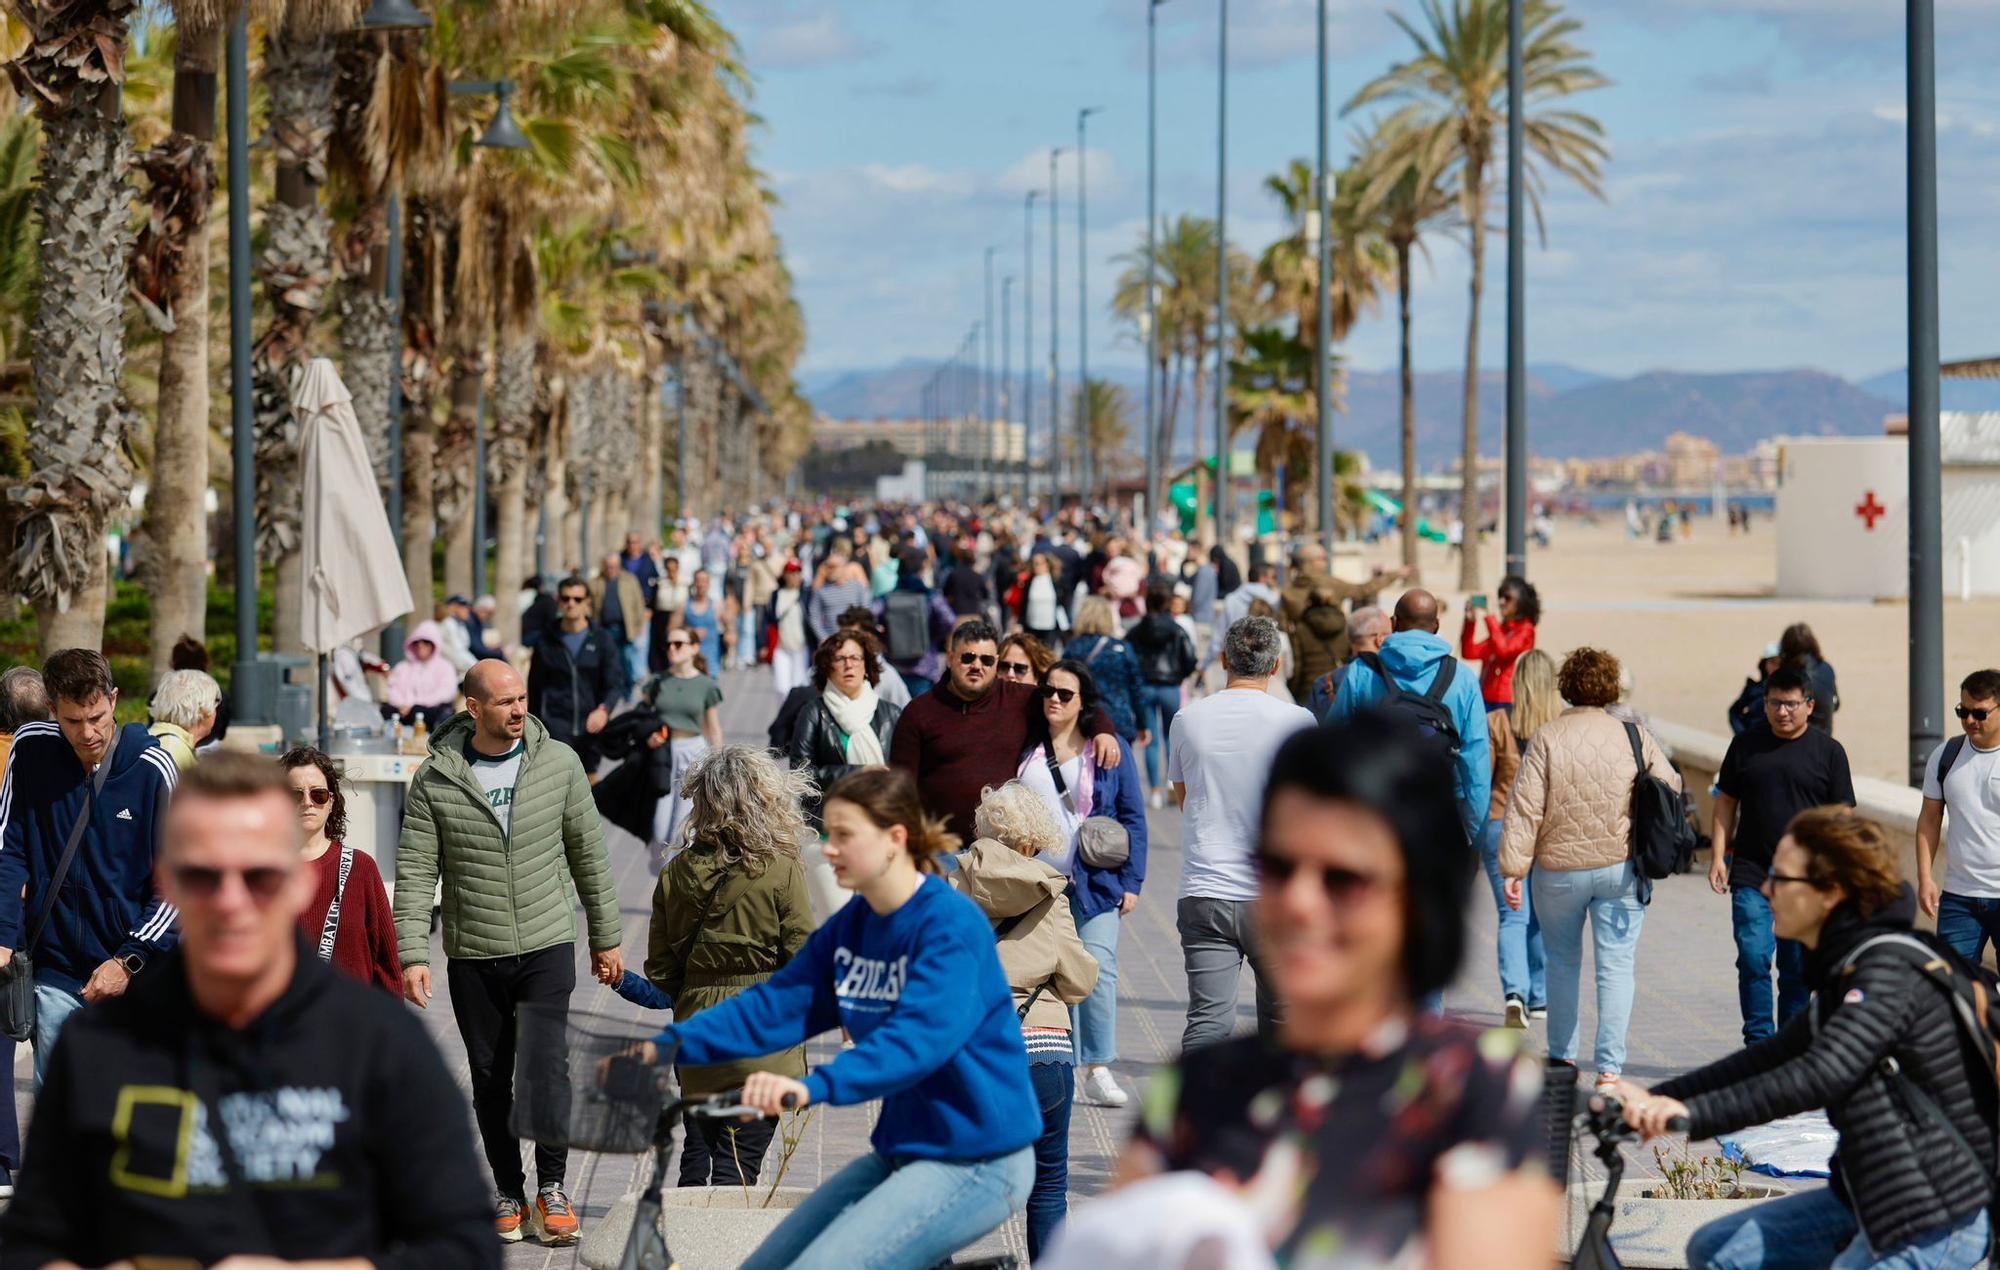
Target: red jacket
365,944
956,748
1496,655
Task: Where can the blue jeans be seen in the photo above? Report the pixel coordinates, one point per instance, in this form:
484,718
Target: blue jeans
1048,1202
1158,703
1520,938
1609,898
53,1006
1756,949
1813,1229
634,658
1967,923
889,1215
1094,1020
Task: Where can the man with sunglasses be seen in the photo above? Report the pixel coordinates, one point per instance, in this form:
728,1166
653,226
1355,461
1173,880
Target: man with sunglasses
1769,775
970,731
575,675
80,811
245,1099
1963,774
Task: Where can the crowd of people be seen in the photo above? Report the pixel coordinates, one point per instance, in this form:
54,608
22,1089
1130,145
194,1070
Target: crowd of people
981,718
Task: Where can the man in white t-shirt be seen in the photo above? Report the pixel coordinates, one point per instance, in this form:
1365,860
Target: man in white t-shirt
1219,755
1967,903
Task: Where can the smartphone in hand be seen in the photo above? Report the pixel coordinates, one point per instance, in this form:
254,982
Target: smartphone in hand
1475,602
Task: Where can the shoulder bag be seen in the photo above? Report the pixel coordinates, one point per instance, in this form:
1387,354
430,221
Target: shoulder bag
17,981
1101,842
329,931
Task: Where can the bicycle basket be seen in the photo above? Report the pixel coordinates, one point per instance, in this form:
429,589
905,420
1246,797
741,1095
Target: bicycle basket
579,1082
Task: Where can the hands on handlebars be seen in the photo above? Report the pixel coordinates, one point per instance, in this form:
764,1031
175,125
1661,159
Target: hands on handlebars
765,1093
1651,1115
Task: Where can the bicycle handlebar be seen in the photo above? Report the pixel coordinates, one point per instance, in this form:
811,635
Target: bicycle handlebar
1607,1115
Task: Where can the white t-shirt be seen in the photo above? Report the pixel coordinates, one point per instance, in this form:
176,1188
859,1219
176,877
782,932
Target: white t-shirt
1971,797
1036,777
1221,748
497,777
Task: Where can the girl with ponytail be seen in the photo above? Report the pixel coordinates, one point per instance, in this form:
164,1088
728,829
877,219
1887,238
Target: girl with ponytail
908,967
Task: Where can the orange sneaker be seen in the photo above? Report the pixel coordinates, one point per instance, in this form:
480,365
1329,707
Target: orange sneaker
508,1220
555,1220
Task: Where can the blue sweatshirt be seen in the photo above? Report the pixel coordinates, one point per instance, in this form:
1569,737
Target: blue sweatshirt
935,1034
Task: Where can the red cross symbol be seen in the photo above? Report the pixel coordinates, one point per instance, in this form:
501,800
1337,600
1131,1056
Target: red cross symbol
1869,510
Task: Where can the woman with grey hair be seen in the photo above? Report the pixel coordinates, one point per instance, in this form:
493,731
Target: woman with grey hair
729,911
183,710
1046,964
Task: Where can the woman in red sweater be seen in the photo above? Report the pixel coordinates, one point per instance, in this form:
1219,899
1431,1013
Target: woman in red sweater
1508,635
349,922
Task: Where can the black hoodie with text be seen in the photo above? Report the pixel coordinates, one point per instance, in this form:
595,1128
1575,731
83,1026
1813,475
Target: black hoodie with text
346,1136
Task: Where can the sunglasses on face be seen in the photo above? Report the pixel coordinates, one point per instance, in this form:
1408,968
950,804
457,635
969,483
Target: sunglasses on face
1976,714
573,599
680,643
1345,888
263,882
984,659
1061,696
1019,669
319,796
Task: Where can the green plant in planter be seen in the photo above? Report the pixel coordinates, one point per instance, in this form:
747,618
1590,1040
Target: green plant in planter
791,1133
1696,1177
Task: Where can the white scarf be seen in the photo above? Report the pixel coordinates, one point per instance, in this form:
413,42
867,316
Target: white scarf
856,717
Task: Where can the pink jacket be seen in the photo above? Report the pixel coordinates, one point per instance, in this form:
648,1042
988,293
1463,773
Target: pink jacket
423,683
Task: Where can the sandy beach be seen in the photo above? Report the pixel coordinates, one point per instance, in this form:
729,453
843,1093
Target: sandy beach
1690,617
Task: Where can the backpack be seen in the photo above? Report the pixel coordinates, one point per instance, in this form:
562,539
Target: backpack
906,616
1663,835
1426,707
1952,749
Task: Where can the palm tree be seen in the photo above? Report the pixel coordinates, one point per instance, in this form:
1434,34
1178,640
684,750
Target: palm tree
1455,95
73,67
1106,409
1406,190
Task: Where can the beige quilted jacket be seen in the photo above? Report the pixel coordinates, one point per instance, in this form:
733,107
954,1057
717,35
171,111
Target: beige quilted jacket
1572,801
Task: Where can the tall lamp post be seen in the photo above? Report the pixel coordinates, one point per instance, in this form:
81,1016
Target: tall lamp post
1323,346
1005,392
1083,438
1222,277
249,702
1517,310
1153,456
1926,687
1028,346
1056,468
983,433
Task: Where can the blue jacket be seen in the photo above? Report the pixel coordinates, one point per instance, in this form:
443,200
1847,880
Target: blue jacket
1412,658
1116,793
108,906
1115,667
935,1034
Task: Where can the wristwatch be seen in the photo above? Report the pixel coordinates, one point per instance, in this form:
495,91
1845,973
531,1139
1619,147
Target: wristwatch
132,962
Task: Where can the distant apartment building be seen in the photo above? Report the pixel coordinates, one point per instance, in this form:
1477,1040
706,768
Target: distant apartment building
917,438
1691,461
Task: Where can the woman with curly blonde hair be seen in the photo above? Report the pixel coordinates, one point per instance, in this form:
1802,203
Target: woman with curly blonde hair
1570,820
1046,964
730,909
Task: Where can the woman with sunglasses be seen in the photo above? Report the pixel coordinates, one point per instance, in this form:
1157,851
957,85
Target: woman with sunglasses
1370,1128
689,704
349,922
1059,766
1880,1048
1024,659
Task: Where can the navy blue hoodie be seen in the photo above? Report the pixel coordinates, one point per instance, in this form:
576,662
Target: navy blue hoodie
108,906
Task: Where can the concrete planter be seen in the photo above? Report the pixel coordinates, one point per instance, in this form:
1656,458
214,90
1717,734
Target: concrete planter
1652,1234
708,1227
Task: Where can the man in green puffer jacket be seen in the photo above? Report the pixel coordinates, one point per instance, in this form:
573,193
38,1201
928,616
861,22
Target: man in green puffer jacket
504,815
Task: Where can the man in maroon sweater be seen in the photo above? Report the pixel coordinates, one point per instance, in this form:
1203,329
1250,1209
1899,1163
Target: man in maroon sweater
970,731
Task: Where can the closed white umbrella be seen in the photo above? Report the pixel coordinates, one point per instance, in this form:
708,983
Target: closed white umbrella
353,573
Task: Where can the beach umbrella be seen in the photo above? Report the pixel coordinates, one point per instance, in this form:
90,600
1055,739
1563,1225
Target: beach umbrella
353,573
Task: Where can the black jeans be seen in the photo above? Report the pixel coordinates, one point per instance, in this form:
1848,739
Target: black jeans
486,994
724,1152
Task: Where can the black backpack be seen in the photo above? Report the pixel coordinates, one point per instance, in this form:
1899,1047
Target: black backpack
1426,707
906,616
1663,835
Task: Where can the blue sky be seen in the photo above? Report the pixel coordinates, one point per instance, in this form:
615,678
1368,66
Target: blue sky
1755,204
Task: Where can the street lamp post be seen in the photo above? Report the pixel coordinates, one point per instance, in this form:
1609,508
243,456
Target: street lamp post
984,431
248,702
1222,277
1926,687
1006,385
1517,310
1153,456
1323,346
1083,412
1055,342
1028,347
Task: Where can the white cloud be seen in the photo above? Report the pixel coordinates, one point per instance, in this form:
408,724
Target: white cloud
815,39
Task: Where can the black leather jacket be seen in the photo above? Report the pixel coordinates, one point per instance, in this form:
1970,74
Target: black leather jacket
1165,653
817,740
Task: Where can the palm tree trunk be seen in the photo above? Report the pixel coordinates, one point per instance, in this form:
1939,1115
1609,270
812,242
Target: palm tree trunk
172,257
370,340
452,475
1468,499
419,449
513,426
1204,486
1407,392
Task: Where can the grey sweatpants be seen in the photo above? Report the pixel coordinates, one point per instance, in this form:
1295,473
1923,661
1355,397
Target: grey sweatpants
1216,939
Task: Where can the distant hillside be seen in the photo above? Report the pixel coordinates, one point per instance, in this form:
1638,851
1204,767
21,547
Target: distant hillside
1571,412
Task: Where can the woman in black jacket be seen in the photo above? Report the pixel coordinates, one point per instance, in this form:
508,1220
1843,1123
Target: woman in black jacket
1880,1048
847,726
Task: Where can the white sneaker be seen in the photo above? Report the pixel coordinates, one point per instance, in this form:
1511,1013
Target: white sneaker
1157,800
1101,1087
1516,1012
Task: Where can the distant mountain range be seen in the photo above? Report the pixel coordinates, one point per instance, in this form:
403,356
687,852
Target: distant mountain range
1572,412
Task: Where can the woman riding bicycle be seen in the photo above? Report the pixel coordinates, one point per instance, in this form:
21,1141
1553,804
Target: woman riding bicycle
1879,1048
909,968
